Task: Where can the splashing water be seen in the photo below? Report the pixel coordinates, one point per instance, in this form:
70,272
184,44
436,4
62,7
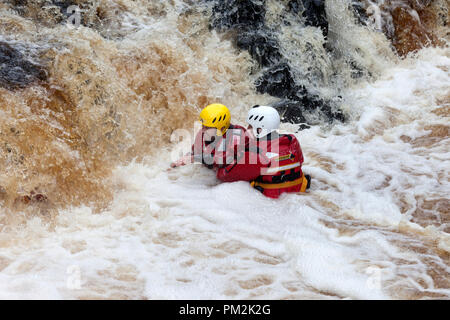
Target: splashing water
89,210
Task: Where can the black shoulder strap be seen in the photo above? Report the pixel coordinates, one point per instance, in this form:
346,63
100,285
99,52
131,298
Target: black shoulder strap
287,136
254,149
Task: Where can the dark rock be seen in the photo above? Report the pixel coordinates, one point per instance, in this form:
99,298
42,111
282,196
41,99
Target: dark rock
50,12
24,199
290,111
302,111
39,198
360,12
261,46
356,71
246,20
246,14
32,198
313,11
278,82
16,71
64,5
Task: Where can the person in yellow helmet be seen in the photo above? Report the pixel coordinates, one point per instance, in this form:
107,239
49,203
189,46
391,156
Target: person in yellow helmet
217,142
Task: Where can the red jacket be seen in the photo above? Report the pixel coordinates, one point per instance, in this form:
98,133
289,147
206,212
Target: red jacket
220,151
272,165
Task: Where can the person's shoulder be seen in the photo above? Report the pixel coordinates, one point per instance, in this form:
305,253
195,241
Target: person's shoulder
289,137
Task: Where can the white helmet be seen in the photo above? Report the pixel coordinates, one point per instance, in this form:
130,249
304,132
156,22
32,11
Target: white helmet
265,118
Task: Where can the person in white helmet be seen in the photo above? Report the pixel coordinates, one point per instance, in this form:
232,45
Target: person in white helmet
272,162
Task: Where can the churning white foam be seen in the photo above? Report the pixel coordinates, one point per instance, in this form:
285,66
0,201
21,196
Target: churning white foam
181,234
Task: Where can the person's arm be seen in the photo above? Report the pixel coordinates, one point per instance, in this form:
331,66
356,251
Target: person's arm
296,149
192,156
246,167
184,160
198,154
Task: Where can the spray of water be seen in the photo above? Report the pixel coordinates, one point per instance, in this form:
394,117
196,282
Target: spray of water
89,100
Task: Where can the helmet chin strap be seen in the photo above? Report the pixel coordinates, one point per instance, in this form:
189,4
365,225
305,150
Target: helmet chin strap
262,134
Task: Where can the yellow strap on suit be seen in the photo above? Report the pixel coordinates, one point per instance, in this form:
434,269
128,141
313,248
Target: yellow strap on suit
282,185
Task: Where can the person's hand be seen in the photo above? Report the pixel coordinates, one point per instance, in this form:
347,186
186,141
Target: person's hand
187,159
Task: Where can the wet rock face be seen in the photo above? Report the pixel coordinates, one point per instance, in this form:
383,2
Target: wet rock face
52,12
246,18
296,101
229,14
313,11
359,9
16,71
413,26
409,24
261,46
46,11
278,82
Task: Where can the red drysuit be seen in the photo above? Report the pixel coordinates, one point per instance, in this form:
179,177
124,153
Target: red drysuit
219,151
272,165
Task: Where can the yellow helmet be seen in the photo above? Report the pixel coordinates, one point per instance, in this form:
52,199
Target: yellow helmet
216,116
